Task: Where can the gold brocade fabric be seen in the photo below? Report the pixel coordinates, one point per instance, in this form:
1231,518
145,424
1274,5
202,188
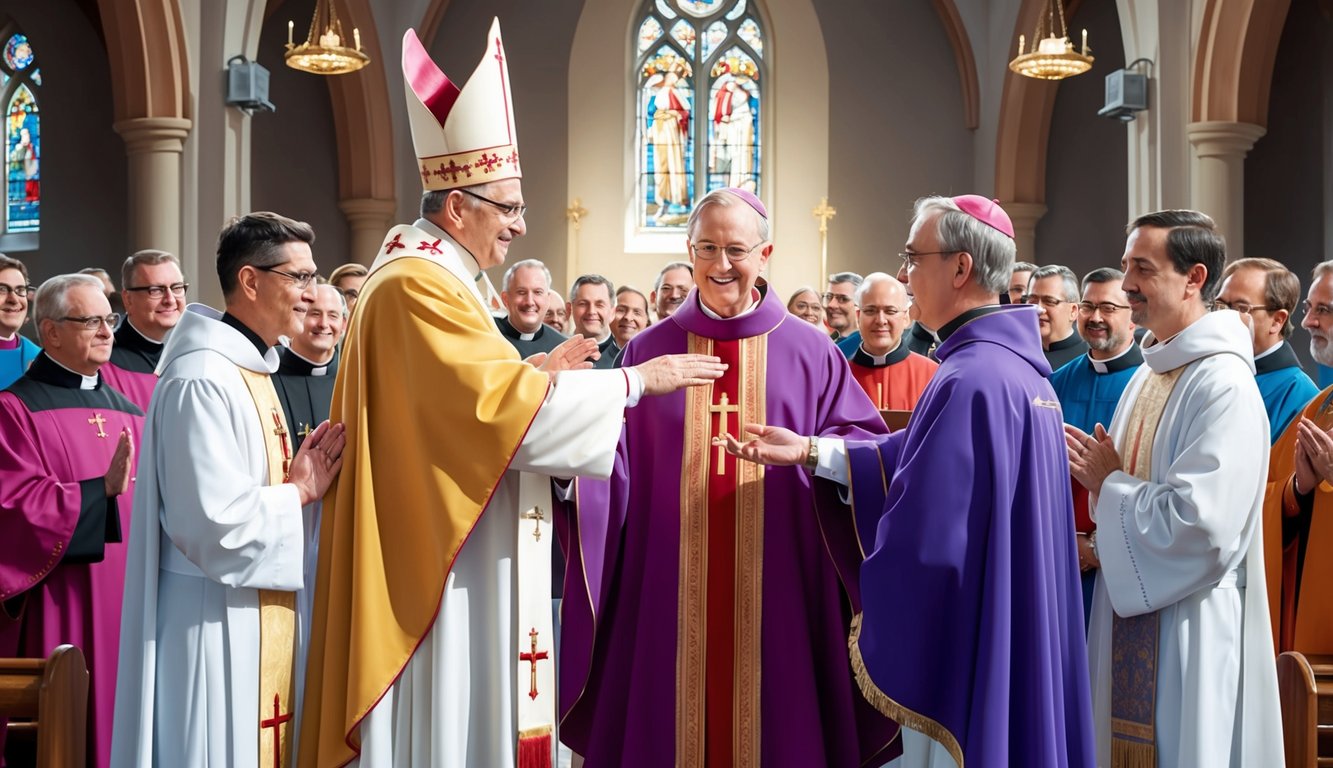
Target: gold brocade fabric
277,608
1134,638
435,404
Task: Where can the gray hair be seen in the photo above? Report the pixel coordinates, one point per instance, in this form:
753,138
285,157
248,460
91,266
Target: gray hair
1066,274
1023,266
146,258
526,264
342,300
52,303
583,280
846,277
1322,269
871,280
993,252
1103,275
685,265
432,201
725,199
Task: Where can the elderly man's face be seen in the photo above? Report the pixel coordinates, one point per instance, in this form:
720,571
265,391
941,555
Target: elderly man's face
70,342
487,230
676,284
1055,314
526,299
726,286
882,317
555,312
840,307
933,275
324,326
1318,319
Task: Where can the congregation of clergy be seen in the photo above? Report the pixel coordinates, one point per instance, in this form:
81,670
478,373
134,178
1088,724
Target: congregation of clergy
689,525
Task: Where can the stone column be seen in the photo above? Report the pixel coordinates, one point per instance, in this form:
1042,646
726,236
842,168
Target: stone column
1025,217
154,146
368,218
1217,175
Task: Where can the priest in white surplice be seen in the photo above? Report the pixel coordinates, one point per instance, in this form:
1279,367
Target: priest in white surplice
1180,647
432,628
217,553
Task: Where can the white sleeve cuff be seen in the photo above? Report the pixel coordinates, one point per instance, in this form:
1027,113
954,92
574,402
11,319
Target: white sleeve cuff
832,460
634,387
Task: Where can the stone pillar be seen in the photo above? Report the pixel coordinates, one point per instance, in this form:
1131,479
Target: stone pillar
154,146
1217,175
368,219
1025,217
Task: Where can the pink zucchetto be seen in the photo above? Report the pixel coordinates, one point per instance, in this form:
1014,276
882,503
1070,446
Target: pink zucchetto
986,211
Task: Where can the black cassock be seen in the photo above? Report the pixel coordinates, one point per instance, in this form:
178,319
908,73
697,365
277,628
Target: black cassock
306,391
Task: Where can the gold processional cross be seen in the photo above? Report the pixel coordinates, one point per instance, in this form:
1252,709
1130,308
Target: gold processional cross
721,409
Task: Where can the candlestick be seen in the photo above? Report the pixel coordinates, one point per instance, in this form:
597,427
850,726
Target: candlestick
290,25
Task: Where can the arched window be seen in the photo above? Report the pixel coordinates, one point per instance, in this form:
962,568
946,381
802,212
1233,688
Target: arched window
698,73
20,79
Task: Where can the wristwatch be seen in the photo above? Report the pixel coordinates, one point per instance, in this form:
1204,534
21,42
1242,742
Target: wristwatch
812,457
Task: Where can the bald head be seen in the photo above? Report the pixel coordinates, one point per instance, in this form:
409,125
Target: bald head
881,313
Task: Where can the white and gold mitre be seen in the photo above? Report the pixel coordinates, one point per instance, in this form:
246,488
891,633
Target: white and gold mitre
462,136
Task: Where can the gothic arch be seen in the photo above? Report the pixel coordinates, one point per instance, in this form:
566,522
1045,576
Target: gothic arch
963,56
1233,67
145,42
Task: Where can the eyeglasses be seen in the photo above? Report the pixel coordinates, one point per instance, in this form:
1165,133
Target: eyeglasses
158,291
17,290
512,212
836,298
1050,302
302,279
735,253
1322,312
886,311
93,322
1241,307
910,260
1107,308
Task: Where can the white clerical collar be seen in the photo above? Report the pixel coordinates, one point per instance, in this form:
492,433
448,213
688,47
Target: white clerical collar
87,382
1103,366
130,323
527,336
1268,351
752,306
883,359
316,369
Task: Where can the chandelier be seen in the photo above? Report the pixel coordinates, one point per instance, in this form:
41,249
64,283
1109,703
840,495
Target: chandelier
1051,57
324,52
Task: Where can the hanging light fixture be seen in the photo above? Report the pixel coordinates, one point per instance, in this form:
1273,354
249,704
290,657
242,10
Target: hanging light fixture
1052,56
324,51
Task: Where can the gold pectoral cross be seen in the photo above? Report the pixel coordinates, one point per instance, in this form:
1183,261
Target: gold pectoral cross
100,422
305,431
721,409
536,515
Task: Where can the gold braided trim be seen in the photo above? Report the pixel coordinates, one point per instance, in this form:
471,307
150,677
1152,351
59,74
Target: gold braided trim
749,575
891,709
692,603
539,731
464,169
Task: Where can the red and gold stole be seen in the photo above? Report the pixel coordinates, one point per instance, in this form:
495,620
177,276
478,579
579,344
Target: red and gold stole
1134,639
277,608
719,623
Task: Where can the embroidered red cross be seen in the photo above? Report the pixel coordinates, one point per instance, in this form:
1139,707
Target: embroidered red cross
532,659
396,242
490,161
512,158
453,169
275,723
430,247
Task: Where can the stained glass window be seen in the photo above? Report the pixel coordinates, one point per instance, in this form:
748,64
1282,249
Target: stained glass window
20,81
699,72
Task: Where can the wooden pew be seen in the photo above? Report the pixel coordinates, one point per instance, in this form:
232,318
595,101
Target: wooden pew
54,693
1305,685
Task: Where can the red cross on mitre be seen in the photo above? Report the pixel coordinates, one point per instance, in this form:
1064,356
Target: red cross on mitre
512,158
490,161
499,51
453,169
396,242
431,247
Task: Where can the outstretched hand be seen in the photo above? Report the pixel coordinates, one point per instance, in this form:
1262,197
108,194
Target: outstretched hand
773,446
669,373
571,354
317,461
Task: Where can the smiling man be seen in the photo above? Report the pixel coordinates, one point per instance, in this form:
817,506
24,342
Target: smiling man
630,315
708,565
591,302
16,351
66,468
1053,290
154,292
527,298
669,291
890,373
210,634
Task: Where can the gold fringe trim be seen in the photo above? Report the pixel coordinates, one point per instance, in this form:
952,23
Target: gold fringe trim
889,708
541,730
1130,754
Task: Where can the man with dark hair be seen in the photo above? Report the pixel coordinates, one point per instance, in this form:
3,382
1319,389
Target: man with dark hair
968,632
629,317
1265,294
1053,290
66,469
1178,489
210,633
1089,387
673,284
16,351
840,311
1018,281
154,291
591,299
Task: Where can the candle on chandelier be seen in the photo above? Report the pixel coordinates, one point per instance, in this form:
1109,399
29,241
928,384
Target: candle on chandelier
290,25
356,35
1020,45
1085,42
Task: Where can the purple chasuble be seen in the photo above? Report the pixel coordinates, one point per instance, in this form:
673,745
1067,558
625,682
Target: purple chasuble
54,512
132,369
972,623
621,643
